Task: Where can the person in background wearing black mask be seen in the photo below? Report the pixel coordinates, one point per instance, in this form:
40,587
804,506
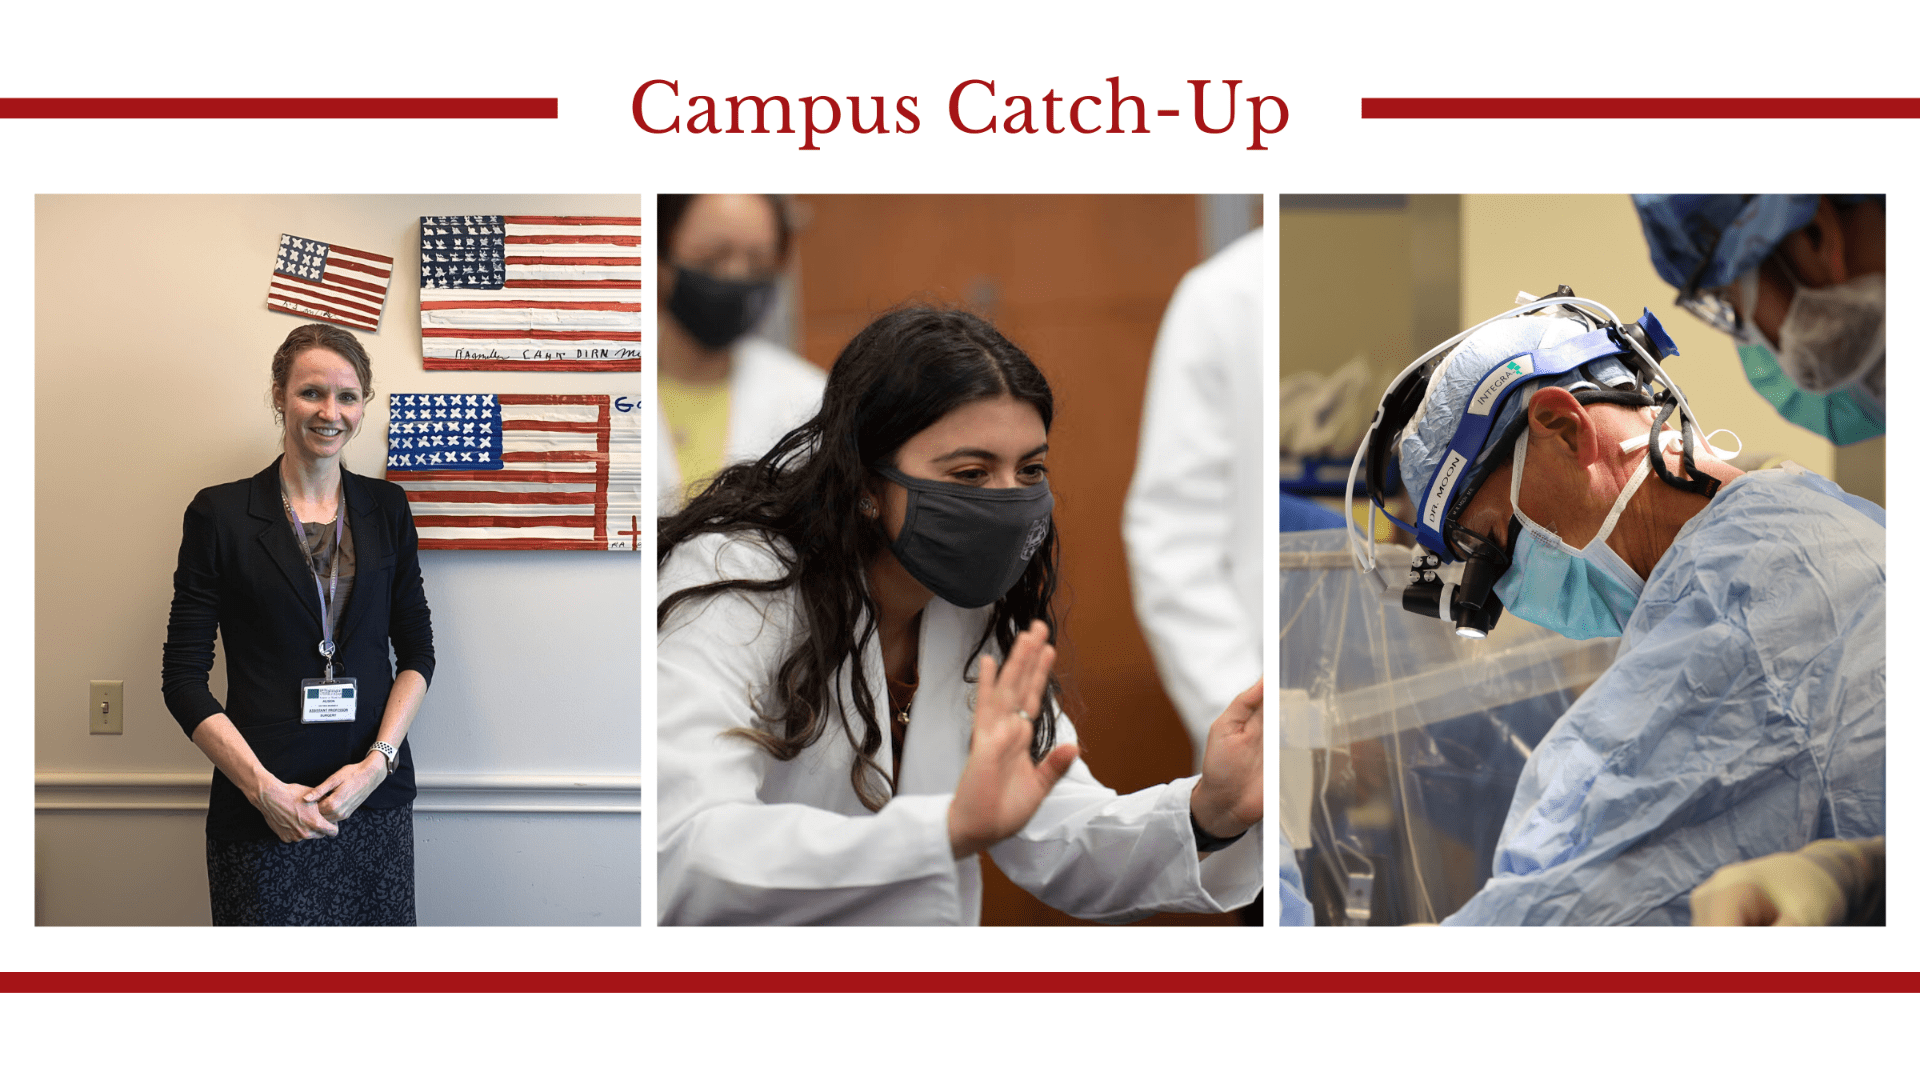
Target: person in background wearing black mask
724,396
855,675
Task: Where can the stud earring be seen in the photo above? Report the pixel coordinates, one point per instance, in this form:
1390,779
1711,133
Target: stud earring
867,507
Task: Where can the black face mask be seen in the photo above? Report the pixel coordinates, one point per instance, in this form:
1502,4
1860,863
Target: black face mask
968,544
717,311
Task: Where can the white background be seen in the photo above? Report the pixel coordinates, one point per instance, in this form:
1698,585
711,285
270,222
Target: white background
1322,60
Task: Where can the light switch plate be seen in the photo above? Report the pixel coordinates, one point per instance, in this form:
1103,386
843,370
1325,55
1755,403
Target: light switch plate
106,706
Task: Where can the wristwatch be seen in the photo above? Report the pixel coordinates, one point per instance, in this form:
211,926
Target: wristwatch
392,756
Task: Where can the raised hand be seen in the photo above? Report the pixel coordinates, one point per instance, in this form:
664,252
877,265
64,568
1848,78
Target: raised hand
1001,786
1227,801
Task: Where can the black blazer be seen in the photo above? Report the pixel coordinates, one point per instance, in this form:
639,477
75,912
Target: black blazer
241,572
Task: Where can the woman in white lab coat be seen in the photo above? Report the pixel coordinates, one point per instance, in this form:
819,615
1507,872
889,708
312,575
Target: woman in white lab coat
838,739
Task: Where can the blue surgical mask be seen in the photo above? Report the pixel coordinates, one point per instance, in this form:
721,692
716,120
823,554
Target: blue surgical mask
1831,360
1842,417
1580,593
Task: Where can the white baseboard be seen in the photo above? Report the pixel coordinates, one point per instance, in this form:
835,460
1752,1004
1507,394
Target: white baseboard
443,793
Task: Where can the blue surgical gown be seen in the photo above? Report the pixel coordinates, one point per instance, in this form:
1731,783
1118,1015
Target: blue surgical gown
1745,714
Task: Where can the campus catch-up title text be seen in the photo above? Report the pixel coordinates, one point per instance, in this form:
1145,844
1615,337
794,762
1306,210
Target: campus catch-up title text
973,106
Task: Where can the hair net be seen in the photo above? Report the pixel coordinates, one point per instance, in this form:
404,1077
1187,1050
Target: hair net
1423,442
1731,233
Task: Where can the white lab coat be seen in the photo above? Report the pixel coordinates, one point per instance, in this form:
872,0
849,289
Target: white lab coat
771,392
1194,522
746,839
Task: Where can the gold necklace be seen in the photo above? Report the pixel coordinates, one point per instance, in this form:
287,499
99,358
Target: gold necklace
912,689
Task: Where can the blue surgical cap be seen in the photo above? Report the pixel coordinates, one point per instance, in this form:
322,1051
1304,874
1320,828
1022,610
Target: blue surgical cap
1729,233
1423,444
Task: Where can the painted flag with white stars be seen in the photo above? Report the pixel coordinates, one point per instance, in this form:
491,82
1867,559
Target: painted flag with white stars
523,293
341,285
519,471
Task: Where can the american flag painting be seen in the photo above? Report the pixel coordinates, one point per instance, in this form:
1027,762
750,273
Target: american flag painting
519,471
335,284
517,293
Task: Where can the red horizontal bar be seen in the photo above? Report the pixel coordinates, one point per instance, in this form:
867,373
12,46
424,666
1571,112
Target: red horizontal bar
443,364
552,399
1639,108
518,476
505,521
428,544
279,108
964,982
549,219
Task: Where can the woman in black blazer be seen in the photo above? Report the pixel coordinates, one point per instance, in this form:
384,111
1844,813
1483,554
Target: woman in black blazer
310,819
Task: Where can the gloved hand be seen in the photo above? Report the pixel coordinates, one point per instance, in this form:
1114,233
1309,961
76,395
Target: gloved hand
1809,887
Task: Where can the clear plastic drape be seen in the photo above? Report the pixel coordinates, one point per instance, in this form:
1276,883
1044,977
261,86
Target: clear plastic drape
1401,744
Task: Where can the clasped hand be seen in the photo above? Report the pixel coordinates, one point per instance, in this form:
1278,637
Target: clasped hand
289,813
296,812
339,795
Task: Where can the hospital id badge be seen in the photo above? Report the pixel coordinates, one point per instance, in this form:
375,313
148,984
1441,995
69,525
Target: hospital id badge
327,701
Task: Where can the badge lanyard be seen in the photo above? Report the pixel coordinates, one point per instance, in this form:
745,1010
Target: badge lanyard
333,576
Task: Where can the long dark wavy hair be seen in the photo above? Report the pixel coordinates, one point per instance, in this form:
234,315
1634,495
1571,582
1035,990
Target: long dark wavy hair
906,370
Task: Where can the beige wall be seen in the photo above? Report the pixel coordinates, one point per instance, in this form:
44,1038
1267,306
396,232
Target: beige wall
152,344
1346,289
1382,283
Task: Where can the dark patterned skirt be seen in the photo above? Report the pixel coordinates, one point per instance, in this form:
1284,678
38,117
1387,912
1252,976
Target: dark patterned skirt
362,877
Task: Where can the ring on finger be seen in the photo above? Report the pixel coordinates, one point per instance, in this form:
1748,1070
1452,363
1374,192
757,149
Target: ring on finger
1024,715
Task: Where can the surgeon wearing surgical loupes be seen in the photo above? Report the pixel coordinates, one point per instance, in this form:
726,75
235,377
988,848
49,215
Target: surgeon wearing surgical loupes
1799,282
1745,712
